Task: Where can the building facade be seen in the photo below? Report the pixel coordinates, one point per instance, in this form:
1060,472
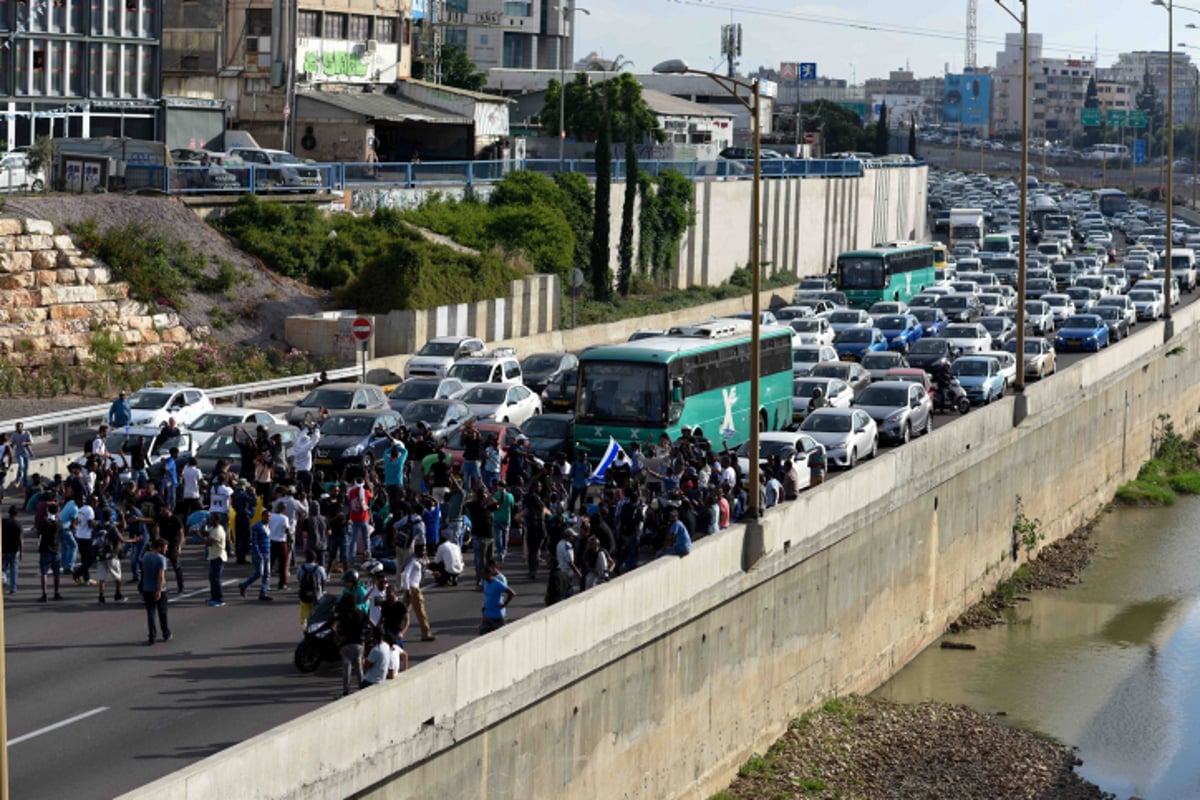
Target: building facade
516,34
1057,91
80,68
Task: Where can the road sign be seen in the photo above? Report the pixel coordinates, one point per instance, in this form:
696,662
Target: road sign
1137,119
1090,117
788,70
808,70
1139,152
361,328
810,138
1117,117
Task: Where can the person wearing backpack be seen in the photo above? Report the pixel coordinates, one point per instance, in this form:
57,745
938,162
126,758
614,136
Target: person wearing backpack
359,500
106,546
312,578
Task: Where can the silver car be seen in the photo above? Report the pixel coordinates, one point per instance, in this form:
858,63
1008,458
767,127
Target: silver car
900,409
848,434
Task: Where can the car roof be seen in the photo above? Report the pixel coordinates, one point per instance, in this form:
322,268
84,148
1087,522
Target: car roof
234,410
363,412
456,339
342,385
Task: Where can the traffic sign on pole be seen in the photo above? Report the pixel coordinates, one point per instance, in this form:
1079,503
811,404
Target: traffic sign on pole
1117,117
808,70
1139,152
1137,119
1090,117
361,328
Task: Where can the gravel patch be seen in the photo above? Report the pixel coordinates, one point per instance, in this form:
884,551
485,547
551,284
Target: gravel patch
257,308
877,750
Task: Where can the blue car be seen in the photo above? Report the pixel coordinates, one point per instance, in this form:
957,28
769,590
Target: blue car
900,330
1082,332
854,343
933,320
980,378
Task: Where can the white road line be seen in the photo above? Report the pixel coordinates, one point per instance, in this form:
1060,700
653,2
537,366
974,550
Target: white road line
57,725
229,582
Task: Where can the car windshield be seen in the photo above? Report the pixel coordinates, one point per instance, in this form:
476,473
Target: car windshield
831,371
885,308
328,398
612,391
414,390
925,314
806,355
350,425
1143,296
285,158
141,401
969,367
805,325
845,316
883,396
1055,301
541,363
471,373
486,395
805,388
961,332
208,423
1108,312
951,301
880,360
221,445
766,449
928,346
826,423
1032,346
993,324
892,323
547,427
855,335
1080,322
421,411
441,349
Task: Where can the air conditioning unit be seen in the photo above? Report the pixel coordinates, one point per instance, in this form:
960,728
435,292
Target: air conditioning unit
372,45
259,44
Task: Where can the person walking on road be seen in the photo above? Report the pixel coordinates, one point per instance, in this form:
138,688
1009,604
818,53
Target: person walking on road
11,546
410,583
311,577
260,556
170,530
154,589
348,623
49,544
214,539
496,597
22,445
279,528
119,413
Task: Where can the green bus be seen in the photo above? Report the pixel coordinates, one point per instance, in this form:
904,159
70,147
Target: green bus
696,376
885,273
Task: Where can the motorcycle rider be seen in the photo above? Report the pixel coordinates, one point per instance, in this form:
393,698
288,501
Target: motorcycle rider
944,379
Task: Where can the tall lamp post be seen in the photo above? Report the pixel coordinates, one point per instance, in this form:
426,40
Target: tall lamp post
566,12
1169,5
1195,115
1019,407
731,85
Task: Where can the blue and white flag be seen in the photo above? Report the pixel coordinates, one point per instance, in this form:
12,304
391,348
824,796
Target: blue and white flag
610,455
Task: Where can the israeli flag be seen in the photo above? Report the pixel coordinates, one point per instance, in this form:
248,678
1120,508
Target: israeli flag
610,455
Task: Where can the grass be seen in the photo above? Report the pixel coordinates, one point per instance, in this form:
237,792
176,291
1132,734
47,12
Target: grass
1144,493
1172,471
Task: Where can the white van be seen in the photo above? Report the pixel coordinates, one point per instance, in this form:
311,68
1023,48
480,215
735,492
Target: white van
1183,267
1107,152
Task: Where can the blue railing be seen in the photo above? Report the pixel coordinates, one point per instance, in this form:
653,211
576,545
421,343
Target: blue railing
337,177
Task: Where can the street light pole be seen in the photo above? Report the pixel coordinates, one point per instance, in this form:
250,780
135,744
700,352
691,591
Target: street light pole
731,85
565,12
1019,407
1168,322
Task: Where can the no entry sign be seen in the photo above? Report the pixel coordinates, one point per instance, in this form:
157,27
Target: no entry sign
361,328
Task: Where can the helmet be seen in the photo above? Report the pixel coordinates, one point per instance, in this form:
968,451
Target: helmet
373,568
350,577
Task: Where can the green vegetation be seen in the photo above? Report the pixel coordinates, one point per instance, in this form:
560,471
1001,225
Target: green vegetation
645,299
1172,471
458,69
1027,532
156,269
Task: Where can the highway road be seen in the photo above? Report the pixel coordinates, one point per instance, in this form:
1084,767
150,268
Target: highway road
94,712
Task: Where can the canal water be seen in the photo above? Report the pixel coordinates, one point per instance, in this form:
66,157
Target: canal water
1110,666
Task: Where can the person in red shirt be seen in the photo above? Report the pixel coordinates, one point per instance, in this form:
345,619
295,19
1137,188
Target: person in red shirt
359,500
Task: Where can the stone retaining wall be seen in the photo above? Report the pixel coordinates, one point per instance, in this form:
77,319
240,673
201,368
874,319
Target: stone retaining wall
53,299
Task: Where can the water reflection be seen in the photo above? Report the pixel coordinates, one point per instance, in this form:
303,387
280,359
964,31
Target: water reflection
1108,665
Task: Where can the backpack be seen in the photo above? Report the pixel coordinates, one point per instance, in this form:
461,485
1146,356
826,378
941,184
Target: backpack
308,583
102,545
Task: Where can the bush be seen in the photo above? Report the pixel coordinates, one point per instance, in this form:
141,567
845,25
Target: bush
541,232
1143,493
154,267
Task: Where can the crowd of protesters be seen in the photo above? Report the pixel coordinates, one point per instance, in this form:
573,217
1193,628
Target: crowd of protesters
568,521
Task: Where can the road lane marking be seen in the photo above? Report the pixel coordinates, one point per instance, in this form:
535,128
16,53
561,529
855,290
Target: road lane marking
64,723
229,582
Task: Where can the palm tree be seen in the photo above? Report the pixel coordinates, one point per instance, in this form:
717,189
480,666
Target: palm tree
615,65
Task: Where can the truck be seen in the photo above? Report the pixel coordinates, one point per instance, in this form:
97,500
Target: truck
966,226
1057,227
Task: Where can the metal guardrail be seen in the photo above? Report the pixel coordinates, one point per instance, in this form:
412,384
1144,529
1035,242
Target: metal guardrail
63,432
217,179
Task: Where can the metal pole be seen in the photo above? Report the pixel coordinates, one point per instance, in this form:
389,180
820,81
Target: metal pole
4,773
1169,325
562,88
1195,131
755,287
1022,240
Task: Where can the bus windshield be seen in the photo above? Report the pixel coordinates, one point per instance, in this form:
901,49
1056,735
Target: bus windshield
861,273
611,391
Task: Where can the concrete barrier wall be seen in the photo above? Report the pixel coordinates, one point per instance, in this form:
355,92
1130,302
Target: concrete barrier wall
660,683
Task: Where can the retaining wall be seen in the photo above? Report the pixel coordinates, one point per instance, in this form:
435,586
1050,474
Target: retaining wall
660,683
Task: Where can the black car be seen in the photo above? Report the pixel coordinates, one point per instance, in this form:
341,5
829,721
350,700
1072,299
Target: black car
1114,318
931,354
354,438
550,434
539,369
559,394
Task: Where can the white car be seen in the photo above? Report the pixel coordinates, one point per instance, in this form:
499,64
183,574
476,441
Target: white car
1061,306
805,358
157,402
969,337
15,174
796,447
1147,302
1008,364
812,330
848,434
513,403
438,355
488,366
204,426
837,392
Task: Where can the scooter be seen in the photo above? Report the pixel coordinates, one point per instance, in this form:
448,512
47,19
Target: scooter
951,396
319,643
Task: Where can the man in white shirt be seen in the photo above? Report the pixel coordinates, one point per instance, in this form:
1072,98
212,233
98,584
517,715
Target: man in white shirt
218,503
410,584
447,563
564,556
85,525
99,447
191,488
278,528
302,459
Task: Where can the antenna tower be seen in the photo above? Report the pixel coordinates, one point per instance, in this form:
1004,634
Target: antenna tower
972,13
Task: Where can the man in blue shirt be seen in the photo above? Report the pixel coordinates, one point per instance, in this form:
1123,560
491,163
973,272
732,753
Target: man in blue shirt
496,597
119,413
581,474
393,471
679,541
260,556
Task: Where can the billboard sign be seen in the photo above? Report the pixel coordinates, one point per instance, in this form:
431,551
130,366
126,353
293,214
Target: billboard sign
788,70
967,99
1139,152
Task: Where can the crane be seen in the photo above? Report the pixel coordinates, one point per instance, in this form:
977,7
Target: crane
972,12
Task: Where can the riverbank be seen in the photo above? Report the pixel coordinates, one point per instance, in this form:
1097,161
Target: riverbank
858,747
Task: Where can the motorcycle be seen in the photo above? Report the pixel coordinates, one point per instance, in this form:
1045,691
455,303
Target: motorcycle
951,396
320,643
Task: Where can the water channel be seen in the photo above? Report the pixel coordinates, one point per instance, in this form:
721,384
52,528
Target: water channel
1110,666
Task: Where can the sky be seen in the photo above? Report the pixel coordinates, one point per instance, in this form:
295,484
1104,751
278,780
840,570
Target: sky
923,34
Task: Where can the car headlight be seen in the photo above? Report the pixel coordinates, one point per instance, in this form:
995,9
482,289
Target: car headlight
353,450
842,445
896,415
